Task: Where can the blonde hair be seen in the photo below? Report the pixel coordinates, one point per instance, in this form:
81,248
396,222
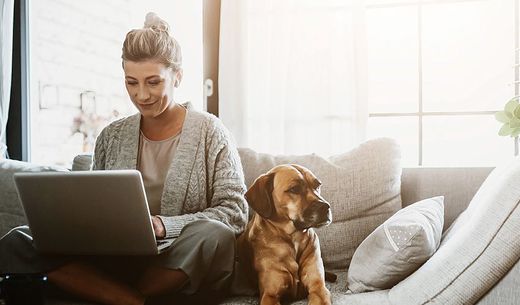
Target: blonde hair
153,41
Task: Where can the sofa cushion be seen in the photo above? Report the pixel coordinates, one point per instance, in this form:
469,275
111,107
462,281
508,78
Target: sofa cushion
476,251
82,162
338,292
362,186
11,212
398,247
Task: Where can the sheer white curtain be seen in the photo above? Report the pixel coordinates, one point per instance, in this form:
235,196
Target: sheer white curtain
6,47
293,74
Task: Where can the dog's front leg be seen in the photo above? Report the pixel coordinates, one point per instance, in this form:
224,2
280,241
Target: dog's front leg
313,278
320,296
272,285
318,292
266,299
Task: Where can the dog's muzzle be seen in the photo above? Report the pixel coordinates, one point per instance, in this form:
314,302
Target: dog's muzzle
316,215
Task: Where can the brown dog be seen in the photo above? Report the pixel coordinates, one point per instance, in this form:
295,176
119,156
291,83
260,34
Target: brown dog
279,248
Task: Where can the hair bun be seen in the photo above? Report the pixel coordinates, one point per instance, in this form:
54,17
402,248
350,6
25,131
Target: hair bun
154,22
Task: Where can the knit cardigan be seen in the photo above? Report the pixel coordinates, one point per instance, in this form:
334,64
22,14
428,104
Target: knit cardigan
204,180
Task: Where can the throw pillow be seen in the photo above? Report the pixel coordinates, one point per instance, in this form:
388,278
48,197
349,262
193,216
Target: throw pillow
398,247
363,187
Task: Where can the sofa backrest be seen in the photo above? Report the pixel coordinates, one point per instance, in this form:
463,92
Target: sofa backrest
458,185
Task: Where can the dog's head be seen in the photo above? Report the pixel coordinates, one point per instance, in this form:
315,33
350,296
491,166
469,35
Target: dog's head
290,193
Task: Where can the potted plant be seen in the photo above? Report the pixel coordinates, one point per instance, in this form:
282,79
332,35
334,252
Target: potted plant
510,116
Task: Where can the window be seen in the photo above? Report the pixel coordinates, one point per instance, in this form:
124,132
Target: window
429,73
437,73
76,79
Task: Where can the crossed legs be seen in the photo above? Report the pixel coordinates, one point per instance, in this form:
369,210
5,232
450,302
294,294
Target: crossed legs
204,252
91,284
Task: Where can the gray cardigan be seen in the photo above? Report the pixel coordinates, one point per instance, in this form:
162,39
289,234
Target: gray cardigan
205,178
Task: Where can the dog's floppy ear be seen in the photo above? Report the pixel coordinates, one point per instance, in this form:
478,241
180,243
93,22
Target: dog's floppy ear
259,196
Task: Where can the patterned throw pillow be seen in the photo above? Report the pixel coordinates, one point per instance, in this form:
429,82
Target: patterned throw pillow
398,247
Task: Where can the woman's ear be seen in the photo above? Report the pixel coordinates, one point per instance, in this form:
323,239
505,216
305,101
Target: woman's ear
178,78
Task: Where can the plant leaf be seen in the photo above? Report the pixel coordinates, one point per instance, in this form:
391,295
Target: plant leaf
511,105
514,123
505,130
503,116
517,112
515,132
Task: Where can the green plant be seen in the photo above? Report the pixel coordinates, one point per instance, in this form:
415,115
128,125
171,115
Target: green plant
510,116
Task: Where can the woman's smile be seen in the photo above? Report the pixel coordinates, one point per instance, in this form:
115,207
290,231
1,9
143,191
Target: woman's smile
148,104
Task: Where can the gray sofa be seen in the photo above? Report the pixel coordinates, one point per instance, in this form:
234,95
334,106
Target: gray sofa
466,279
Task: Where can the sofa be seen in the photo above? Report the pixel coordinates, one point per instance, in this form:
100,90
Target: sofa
476,262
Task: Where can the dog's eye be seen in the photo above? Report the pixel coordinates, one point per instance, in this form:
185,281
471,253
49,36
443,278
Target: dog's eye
317,184
295,189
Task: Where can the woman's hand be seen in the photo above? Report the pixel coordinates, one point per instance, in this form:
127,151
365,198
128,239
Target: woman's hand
158,227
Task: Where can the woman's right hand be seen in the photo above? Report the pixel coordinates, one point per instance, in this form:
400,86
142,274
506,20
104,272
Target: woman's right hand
158,227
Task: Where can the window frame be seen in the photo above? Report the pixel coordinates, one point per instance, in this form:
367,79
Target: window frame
18,131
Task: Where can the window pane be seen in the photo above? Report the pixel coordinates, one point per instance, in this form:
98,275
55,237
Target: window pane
77,83
464,141
468,55
393,73
403,129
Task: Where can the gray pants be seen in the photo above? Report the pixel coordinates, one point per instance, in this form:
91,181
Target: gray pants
205,251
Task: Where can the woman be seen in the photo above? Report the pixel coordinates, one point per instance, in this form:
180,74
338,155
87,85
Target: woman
193,181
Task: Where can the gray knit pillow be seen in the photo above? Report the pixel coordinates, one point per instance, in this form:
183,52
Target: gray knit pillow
398,247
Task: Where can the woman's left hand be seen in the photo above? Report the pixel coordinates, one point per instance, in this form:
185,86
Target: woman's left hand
158,227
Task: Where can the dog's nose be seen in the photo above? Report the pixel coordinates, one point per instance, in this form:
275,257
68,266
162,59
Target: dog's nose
322,211
322,207
316,215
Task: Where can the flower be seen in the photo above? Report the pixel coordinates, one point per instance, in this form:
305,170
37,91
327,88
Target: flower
87,124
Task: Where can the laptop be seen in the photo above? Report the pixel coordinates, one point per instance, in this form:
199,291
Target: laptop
102,212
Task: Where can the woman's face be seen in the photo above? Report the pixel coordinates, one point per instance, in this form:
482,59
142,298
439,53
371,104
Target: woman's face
150,85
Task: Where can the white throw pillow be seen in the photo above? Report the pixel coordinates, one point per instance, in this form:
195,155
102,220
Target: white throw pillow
363,187
398,247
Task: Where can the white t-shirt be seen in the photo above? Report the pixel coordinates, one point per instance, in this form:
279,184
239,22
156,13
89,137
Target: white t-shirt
153,162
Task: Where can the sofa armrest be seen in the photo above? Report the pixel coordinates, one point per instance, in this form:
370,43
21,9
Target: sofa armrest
506,291
457,185
82,162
